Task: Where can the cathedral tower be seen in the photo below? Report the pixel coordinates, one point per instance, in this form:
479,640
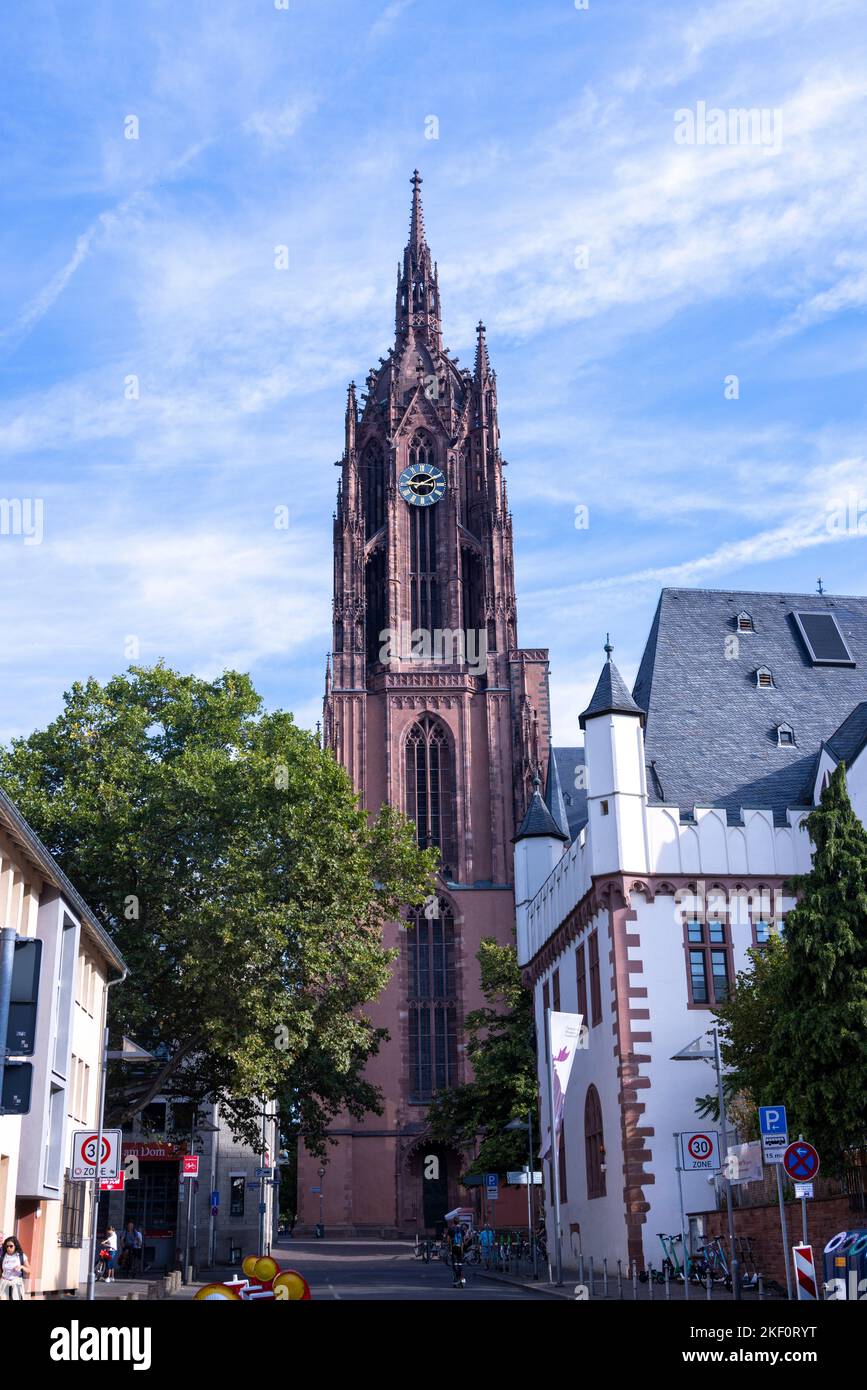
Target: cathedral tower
431,707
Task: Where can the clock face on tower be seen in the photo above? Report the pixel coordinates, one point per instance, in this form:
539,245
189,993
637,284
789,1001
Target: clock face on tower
421,484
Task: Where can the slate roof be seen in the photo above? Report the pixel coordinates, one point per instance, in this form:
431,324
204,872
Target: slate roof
849,741
569,762
554,799
538,820
710,736
611,695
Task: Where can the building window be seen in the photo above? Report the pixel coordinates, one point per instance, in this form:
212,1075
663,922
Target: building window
603,806
595,982
745,623
764,679
237,1187
594,1144
424,588
430,789
373,489
708,955
581,973
432,1002
785,736
546,1004
72,1214
376,604
555,988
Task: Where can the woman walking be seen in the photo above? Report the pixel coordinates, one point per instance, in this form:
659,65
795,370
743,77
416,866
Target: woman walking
15,1270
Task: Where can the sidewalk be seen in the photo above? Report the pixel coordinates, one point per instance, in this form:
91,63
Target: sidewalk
571,1282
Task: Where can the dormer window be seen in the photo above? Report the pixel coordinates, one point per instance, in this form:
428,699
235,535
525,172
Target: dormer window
785,736
745,623
764,679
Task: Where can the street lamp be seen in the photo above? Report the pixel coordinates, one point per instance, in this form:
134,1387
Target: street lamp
519,1124
696,1052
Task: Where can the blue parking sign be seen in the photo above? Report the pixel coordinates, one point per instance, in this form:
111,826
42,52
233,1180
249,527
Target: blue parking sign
772,1119
774,1127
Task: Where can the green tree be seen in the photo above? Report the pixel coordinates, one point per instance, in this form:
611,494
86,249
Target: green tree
500,1047
795,1030
226,854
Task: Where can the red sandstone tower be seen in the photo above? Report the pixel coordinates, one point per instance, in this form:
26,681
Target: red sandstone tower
431,707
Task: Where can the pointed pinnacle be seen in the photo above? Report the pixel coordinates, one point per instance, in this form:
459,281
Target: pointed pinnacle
416,225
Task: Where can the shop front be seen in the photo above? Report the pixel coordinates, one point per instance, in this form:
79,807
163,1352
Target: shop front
152,1201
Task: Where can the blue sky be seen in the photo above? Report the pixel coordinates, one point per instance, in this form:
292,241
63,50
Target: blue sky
259,127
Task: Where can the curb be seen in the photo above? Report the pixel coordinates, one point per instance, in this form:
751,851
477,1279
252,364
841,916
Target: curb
551,1290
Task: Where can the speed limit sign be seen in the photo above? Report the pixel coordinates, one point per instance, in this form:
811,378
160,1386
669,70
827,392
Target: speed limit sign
83,1165
700,1150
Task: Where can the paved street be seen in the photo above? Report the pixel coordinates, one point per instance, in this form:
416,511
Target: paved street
386,1270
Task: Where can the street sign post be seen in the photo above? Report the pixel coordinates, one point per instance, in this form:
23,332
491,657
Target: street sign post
801,1162
700,1150
191,1165
116,1186
774,1127
775,1132
83,1166
803,1189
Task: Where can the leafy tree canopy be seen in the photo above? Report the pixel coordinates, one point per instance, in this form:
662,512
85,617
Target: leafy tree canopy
795,1030
225,852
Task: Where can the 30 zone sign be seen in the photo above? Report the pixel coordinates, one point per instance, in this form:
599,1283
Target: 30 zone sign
700,1150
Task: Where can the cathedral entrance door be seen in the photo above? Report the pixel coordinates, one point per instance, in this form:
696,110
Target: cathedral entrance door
435,1189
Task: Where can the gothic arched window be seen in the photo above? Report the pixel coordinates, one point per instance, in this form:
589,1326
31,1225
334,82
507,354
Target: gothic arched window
432,990
594,1144
373,488
421,449
430,788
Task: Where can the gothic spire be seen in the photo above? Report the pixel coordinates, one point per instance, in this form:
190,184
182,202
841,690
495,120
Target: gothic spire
418,302
482,368
416,221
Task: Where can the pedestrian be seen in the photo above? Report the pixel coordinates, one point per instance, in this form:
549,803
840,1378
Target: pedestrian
132,1245
15,1270
486,1242
110,1244
456,1246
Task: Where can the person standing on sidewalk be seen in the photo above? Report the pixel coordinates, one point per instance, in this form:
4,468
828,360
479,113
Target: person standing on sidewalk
15,1270
486,1243
110,1244
457,1241
132,1243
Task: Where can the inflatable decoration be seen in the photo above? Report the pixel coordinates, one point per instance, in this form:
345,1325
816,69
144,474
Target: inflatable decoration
262,1278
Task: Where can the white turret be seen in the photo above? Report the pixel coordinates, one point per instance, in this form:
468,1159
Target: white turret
613,728
539,846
